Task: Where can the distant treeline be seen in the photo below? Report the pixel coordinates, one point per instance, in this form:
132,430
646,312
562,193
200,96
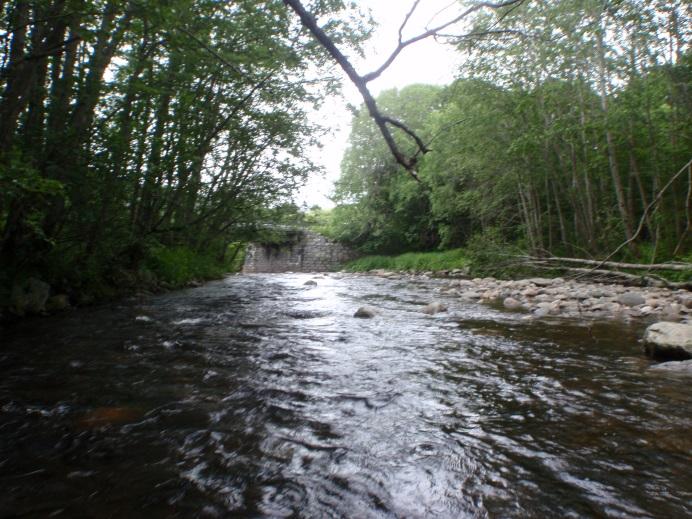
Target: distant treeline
561,133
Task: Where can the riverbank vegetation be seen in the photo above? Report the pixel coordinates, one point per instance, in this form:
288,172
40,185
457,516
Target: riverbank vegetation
148,140
567,134
412,261
140,139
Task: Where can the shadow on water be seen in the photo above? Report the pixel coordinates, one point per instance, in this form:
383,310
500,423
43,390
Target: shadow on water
259,396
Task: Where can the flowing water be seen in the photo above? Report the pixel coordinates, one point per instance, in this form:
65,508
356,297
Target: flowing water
257,396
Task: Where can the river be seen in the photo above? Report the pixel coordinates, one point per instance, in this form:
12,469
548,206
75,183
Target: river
258,396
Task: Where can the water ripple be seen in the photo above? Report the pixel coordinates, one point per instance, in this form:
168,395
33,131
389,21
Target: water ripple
258,396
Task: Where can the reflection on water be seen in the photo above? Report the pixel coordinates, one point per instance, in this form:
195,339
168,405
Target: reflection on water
259,396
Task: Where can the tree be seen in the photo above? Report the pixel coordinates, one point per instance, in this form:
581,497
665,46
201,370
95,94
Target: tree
393,210
127,126
556,137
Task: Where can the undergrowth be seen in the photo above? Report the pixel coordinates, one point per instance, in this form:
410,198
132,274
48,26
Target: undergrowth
412,261
179,265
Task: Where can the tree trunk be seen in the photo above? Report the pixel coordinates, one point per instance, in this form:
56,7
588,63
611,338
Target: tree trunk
612,159
17,76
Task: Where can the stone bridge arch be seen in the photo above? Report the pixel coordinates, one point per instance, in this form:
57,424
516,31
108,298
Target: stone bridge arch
302,251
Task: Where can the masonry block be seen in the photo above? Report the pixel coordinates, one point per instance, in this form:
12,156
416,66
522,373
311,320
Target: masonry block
310,252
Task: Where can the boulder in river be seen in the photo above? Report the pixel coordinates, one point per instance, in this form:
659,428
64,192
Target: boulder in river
310,283
686,300
680,367
383,273
669,341
366,312
58,303
631,299
671,312
540,282
512,304
434,308
29,297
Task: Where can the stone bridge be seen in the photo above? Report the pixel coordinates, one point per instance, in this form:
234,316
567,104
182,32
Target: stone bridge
300,251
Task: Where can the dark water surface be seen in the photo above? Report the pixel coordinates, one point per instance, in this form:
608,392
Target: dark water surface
257,396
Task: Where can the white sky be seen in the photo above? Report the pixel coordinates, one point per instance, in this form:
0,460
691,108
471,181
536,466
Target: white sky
422,62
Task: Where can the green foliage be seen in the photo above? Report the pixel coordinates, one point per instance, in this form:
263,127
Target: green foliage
19,179
560,140
234,257
380,209
490,254
160,133
412,261
21,185
320,221
178,265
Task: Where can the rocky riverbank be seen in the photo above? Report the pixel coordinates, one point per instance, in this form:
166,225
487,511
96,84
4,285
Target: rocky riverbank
559,297
33,296
668,312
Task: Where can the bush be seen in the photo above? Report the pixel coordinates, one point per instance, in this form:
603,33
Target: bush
413,261
490,254
178,265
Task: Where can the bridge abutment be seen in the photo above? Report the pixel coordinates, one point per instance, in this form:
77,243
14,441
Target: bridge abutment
306,252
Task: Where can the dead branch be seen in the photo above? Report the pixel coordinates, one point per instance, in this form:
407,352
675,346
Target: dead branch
361,81
406,19
434,32
483,34
688,214
677,266
310,23
422,148
646,214
618,277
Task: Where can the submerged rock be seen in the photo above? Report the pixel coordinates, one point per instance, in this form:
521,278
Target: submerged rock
541,310
679,367
512,304
631,299
434,308
58,303
669,341
29,297
366,312
105,416
540,282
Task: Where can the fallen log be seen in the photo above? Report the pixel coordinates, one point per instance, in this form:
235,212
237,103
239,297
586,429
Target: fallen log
676,266
613,276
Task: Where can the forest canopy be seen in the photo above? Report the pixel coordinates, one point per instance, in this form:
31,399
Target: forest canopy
559,137
132,127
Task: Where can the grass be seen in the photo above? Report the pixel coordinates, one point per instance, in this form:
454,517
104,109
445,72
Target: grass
412,261
178,265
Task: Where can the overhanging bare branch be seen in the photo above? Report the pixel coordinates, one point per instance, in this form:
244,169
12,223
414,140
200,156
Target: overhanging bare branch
434,32
406,19
310,23
361,81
